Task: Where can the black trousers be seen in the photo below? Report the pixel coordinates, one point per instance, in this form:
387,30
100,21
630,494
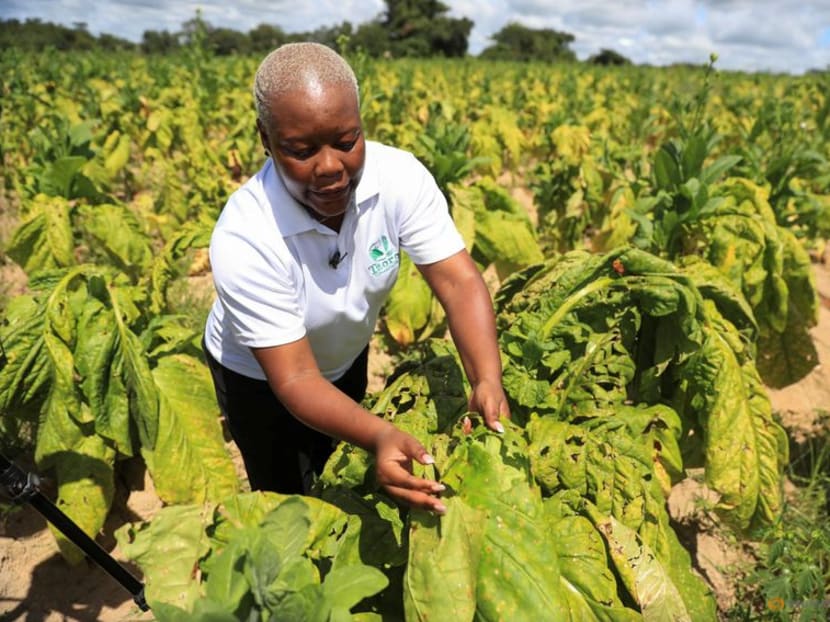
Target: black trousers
281,454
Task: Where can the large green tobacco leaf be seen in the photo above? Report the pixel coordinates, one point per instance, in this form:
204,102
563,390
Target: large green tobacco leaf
349,466
144,407
168,550
86,486
741,240
378,533
589,584
242,510
189,462
745,448
507,241
542,289
24,372
462,207
429,382
770,267
117,233
409,309
645,578
257,554
787,356
602,333
714,285
442,571
504,235
83,464
697,595
609,465
345,587
518,569
611,469
252,509
98,363
162,271
657,429
44,239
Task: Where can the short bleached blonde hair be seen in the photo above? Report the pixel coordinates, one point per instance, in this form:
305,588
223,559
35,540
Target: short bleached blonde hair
296,66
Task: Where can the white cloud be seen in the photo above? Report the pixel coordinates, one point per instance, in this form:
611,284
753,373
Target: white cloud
781,35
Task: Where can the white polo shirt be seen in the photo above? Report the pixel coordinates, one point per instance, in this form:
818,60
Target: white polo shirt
272,269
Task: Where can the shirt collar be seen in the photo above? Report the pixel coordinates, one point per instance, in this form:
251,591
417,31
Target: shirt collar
293,217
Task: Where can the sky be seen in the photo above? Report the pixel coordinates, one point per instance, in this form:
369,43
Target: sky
790,36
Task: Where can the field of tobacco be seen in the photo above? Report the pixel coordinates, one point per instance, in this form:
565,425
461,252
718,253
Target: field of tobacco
652,291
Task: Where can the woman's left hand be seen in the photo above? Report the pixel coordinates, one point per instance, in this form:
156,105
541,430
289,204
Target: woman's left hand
489,401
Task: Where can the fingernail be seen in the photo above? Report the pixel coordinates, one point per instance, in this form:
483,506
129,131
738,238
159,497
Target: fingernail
440,508
427,459
499,427
439,488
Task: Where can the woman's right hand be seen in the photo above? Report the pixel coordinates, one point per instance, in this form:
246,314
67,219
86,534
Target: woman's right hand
394,452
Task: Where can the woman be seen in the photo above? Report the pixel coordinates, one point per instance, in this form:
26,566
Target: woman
303,257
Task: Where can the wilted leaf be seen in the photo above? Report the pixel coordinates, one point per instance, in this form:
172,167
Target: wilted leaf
409,304
189,463
168,549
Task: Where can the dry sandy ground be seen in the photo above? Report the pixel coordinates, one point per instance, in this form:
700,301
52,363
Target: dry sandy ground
36,585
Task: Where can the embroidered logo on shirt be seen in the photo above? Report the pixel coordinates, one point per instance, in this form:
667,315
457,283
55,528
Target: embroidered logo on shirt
384,257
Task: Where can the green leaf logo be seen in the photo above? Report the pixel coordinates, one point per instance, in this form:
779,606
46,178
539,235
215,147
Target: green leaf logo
379,248
384,257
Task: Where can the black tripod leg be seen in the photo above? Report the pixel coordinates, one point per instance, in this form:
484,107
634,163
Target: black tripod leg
23,488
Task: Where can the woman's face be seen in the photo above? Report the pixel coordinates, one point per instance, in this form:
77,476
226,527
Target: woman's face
316,141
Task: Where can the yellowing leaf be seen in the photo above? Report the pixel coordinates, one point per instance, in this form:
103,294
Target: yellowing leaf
572,143
85,489
117,156
409,304
44,239
168,550
189,463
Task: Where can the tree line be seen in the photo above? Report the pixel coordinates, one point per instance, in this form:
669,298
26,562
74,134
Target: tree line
407,28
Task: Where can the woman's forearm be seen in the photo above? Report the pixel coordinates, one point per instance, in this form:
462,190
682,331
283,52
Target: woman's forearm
469,308
316,402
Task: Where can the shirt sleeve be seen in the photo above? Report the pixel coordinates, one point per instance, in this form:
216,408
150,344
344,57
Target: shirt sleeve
258,289
427,232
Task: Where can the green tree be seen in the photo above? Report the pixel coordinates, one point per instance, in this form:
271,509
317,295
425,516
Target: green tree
78,38
34,34
421,28
373,38
608,57
266,37
328,35
450,37
520,43
225,41
159,42
113,43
